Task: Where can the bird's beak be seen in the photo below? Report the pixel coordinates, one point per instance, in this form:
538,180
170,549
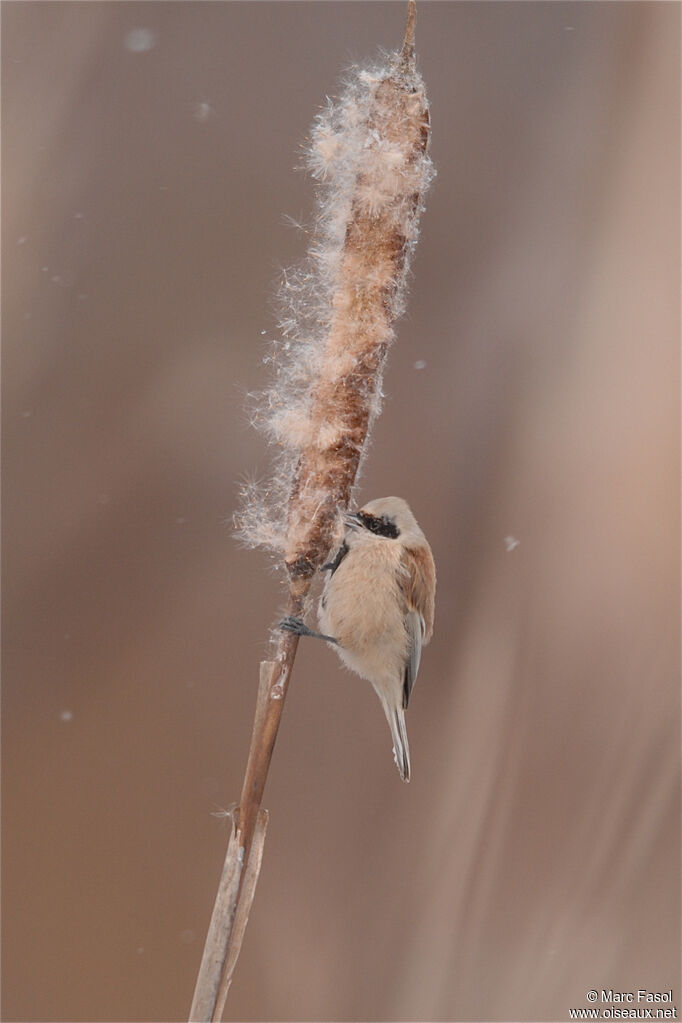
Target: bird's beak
353,520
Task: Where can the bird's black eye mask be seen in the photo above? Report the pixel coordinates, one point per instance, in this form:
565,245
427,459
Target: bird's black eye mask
379,525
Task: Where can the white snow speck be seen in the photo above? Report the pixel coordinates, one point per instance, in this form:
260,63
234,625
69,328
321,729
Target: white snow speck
140,40
420,364
21,240
66,715
510,542
202,111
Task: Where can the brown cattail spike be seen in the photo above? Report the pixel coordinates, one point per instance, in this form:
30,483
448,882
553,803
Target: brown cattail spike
368,153
407,52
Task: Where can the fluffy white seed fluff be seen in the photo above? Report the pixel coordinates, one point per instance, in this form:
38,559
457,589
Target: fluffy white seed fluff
367,152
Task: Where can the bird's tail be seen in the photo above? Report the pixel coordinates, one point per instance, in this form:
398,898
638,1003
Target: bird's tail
401,749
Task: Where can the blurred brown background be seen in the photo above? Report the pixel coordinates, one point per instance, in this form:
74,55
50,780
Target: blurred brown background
149,154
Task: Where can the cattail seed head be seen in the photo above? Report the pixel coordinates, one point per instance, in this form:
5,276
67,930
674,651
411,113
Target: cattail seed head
368,152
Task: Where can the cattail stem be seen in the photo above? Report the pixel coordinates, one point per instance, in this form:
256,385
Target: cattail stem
238,882
370,154
274,681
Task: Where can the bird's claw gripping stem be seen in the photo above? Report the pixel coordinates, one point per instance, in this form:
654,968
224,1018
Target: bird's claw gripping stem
299,628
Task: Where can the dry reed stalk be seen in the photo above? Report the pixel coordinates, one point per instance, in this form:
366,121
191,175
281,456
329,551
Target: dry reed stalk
369,153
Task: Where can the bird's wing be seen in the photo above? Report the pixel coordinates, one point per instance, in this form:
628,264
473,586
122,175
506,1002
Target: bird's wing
415,625
418,583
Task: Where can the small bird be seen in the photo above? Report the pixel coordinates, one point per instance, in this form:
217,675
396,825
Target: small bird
377,607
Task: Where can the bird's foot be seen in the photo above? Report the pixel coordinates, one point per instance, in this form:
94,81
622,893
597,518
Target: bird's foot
299,628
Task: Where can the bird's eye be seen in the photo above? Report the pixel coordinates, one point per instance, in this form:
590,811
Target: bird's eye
380,526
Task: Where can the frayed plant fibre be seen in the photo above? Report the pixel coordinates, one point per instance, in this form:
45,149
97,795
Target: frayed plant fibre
368,153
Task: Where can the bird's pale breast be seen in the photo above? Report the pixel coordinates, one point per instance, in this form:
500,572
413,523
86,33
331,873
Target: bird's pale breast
363,608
